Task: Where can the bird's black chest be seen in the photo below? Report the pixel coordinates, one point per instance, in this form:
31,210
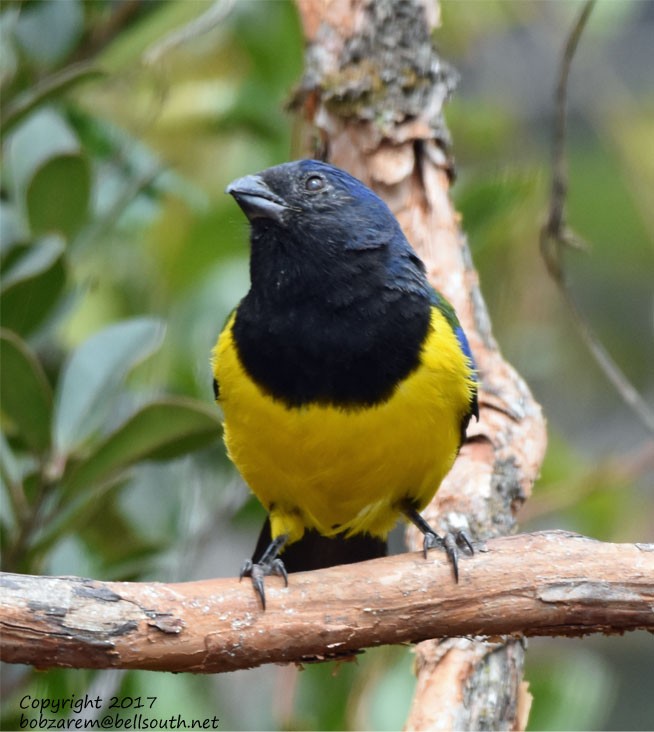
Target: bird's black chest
308,352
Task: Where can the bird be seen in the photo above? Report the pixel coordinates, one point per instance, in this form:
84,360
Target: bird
346,381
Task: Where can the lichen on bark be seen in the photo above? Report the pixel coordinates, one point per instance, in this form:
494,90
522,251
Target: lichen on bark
387,70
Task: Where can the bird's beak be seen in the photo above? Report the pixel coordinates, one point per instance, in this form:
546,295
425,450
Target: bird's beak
256,199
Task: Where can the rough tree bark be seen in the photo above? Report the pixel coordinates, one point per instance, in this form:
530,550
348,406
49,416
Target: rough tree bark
374,88
571,585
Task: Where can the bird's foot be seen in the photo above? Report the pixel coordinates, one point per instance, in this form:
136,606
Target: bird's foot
451,542
269,564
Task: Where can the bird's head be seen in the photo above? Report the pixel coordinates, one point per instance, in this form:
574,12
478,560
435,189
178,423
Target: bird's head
316,201
316,228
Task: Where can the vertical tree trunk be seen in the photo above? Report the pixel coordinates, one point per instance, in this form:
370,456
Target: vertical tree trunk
373,94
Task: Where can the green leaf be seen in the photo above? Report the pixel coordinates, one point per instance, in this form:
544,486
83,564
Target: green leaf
24,392
162,430
32,286
58,195
9,61
90,379
48,30
10,468
12,229
50,176
43,135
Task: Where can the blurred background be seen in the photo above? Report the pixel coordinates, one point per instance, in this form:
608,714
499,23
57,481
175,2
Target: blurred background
121,257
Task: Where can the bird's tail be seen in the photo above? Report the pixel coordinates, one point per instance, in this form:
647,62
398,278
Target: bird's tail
314,551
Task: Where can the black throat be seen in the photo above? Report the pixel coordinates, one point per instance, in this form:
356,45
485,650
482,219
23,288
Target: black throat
338,336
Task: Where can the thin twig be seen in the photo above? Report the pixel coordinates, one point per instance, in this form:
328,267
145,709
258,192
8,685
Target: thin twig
101,34
555,235
556,223
216,13
45,89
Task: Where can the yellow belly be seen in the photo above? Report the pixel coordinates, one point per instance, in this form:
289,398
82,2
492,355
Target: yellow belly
334,469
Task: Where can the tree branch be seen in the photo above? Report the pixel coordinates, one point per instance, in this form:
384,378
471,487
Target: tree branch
549,583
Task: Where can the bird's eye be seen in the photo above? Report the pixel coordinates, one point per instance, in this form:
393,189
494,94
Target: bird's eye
314,183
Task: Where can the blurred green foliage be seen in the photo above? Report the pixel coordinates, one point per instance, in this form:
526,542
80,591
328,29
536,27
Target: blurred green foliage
121,258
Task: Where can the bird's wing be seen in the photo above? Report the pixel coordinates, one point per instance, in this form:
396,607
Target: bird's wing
438,301
216,385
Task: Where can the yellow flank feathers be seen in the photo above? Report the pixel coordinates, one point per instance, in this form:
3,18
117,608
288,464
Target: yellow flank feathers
334,469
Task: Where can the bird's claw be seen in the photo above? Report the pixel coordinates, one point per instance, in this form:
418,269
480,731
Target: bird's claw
451,543
256,571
